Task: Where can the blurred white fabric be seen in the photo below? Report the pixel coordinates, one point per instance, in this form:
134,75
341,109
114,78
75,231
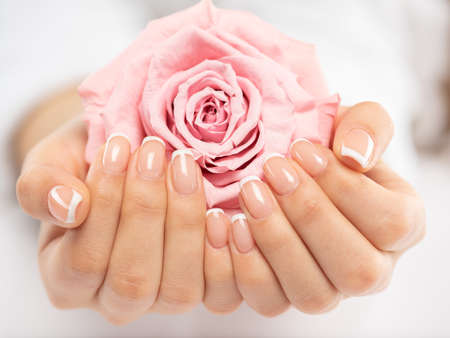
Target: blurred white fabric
364,47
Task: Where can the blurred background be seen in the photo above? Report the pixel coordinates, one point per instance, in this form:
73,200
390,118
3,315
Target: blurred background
393,52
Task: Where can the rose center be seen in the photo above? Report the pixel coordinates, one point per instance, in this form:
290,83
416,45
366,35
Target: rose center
212,110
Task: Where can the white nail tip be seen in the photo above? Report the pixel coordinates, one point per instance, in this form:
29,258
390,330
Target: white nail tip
268,157
248,179
71,207
238,217
118,134
181,152
109,140
363,160
214,211
153,138
300,139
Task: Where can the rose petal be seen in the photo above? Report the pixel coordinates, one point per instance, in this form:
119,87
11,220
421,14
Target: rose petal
225,195
97,88
244,102
154,108
298,57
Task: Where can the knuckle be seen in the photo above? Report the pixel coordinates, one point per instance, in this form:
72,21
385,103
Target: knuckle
189,221
319,302
347,187
180,298
366,277
131,286
223,306
251,281
272,310
273,242
87,264
400,225
140,204
219,277
311,208
106,197
307,211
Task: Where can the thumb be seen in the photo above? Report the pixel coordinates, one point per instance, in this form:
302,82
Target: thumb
362,134
50,186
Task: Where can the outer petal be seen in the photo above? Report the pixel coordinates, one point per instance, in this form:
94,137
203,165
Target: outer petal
297,56
97,89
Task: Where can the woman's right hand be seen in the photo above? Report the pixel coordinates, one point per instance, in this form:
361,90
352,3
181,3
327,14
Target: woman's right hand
125,236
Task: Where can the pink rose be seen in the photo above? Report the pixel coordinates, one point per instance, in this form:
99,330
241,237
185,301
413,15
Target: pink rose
222,83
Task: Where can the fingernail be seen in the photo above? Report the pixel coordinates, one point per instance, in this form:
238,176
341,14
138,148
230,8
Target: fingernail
216,228
184,171
358,145
242,236
117,153
256,197
63,203
308,156
151,157
281,174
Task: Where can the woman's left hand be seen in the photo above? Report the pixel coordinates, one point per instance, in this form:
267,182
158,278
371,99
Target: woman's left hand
319,231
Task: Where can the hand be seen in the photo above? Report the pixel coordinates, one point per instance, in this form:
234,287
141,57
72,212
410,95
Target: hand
125,236
322,231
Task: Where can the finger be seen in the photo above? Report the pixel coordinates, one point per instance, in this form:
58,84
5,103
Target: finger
134,272
414,209
362,134
76,266
302,280
182,283
221,292
388,219
50,186
382,174
348,259
256,281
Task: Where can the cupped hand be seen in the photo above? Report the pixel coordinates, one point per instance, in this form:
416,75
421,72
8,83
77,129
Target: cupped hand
318,231
125,236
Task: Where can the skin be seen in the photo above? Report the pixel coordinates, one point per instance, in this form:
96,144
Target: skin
338,234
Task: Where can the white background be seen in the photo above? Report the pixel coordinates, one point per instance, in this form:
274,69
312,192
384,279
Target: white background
365,48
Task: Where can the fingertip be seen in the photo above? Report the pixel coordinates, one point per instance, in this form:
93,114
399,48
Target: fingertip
362,135
356,149
68,205
52,195
217,228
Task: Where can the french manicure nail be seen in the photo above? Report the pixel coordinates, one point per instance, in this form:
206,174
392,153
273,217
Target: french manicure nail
256,197
63,203
184,171
358,145
242,236
308,156
151,157
116,154
281,174
216,228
